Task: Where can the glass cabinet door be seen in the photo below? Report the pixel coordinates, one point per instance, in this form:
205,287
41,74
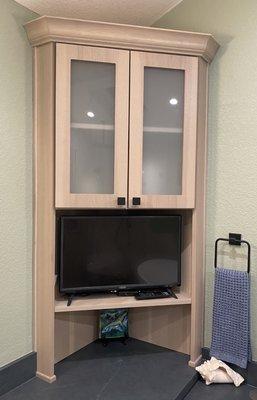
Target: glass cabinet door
163,119
91,127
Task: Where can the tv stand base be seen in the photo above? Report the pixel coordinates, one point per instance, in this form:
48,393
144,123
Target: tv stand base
70,298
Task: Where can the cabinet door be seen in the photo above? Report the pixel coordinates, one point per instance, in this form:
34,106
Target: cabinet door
163,119
92,90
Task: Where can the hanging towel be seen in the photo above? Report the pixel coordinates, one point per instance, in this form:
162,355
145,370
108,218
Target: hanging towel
231,317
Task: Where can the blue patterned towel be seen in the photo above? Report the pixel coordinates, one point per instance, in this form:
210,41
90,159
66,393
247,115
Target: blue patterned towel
231,317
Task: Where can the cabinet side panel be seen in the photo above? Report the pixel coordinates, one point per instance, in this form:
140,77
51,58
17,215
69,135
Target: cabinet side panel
198,219
74,331
186,258
44,213
164,326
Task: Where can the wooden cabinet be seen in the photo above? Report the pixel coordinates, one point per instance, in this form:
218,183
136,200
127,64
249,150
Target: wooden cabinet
119,112
98,125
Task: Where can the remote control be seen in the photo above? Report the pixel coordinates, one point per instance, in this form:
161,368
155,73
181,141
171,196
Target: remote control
147,295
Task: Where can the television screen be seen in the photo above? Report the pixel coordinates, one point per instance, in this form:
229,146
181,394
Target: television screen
106,253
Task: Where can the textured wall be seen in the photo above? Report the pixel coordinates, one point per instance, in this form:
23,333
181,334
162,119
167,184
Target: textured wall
232,150
232,157
15,183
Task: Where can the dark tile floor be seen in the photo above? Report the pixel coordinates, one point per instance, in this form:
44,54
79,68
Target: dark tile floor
137,370
221,392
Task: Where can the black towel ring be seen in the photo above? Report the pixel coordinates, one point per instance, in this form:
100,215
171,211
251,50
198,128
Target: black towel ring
235,240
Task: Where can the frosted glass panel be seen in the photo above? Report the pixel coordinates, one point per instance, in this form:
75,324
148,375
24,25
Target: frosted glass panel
163,131
162,163
92,160
92,127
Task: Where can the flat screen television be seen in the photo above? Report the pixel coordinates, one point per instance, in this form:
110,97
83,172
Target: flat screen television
109,253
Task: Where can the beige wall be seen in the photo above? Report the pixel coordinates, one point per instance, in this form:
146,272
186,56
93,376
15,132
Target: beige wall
232,158
232,155
15,183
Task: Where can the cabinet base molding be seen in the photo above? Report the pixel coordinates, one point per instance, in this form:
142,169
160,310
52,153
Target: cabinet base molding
196,362
48,379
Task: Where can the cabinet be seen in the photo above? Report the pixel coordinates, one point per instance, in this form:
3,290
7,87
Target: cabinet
163,123
120,116
92,104
119,108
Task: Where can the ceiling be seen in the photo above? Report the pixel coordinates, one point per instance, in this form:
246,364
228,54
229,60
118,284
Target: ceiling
135,12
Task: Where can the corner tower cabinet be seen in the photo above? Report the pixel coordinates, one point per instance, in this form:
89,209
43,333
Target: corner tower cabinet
120,123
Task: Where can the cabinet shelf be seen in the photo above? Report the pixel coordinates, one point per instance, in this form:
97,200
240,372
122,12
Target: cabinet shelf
105,127
161,129
104,302
95,127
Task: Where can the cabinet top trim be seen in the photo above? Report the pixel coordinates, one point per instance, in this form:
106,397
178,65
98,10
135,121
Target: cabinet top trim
55,29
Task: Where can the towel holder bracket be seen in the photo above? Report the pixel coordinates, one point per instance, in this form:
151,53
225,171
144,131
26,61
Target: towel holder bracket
235,239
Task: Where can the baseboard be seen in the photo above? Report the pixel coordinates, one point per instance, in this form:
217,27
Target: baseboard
249,374
48,379
17,372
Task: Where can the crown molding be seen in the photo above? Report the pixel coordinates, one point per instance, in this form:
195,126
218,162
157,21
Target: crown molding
94,33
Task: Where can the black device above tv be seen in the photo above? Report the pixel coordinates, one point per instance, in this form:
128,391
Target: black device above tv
119,253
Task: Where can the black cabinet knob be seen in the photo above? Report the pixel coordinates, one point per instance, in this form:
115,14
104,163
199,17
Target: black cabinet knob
121,201
136,201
